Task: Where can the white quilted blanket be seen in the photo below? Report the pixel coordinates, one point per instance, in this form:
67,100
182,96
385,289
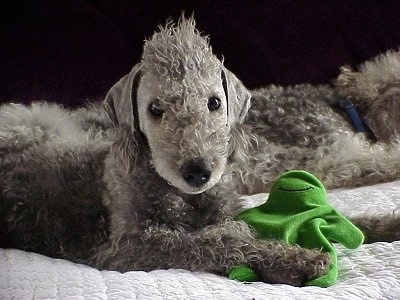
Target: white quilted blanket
370,272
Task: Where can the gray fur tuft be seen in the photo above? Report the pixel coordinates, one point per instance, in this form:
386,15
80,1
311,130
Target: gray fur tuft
176,50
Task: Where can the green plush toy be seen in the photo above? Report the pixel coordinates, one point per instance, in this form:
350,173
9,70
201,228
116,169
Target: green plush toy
297,211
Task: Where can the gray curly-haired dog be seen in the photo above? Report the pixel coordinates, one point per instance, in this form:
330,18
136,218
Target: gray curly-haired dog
152,178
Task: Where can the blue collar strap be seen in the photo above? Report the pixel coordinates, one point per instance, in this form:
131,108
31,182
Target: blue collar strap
354,117
352,113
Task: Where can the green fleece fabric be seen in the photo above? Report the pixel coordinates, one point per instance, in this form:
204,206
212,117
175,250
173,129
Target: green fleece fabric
297,211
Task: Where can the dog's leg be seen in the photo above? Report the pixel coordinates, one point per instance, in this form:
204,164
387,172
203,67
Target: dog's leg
216,249
379,228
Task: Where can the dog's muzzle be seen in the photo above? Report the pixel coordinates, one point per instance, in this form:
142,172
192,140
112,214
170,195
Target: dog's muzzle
195,172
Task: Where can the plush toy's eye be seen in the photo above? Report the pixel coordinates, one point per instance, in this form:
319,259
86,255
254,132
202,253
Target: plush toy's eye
156,110
214,103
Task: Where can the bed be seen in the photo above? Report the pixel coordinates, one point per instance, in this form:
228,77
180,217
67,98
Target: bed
370,272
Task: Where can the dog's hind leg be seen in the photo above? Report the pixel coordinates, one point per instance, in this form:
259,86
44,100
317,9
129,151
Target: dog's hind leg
379,228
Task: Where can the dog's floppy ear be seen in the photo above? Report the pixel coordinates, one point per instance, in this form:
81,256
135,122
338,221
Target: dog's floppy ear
121,100
121,106
237,95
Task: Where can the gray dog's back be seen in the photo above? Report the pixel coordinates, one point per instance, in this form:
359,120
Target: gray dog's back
51,179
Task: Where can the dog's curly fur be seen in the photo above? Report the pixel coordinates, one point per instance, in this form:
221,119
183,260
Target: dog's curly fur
152,177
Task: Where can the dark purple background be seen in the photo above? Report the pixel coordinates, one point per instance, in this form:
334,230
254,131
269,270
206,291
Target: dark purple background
70,51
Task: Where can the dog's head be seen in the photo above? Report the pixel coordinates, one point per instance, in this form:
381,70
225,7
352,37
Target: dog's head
184,102
375,89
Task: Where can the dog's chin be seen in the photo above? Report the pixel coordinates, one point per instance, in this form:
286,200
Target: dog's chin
193,192
187,189
179,183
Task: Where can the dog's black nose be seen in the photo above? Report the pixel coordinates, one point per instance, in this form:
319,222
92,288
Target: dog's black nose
195,172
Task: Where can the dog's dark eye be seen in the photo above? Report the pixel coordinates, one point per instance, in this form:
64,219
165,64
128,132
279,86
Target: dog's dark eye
214,103
155,110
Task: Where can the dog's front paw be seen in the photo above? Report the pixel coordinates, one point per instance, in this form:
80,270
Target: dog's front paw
296,266
316,266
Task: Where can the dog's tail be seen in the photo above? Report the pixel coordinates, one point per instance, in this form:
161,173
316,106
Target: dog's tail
23,126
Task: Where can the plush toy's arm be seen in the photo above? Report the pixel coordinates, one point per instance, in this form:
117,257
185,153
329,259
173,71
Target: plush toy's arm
243,274
322,233
341,230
